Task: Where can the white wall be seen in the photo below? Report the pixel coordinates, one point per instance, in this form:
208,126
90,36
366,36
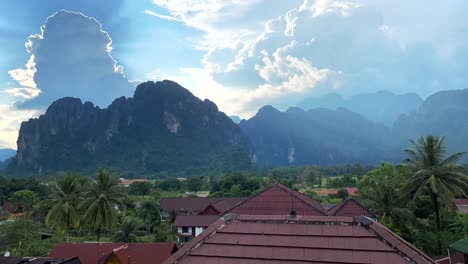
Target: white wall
198,230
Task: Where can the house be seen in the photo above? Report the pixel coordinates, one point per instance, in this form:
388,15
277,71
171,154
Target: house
190,226
127,183
301,239
279,200
12,210
197,205
350,207
37,260
115,253
461,205
458,251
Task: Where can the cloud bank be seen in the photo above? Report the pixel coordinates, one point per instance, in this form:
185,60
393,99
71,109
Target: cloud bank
326,45
70,57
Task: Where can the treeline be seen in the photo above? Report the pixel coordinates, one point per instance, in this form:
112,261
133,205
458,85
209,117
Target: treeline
77,208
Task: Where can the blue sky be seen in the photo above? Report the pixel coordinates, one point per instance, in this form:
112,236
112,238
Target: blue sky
240,54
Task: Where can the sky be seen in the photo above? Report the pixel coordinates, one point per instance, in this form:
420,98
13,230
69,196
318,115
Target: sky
240,54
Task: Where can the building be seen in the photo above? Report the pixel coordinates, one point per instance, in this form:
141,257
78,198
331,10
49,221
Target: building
190,226
115,253
279,200
458,251
127,183
350,207
37,260
197,205
281,239
461,205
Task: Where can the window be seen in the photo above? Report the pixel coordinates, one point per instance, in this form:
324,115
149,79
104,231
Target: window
184,229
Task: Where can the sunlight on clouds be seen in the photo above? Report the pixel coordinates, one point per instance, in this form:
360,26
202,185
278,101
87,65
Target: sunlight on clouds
152,13
24,93
10,122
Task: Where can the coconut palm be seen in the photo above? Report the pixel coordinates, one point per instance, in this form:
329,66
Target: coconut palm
101,202
150,213
64,214
128,231
442,178
380,190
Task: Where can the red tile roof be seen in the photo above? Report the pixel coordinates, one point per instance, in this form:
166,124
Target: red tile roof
350,207
195,204
129,182
134,253
279,200
195,220
261,239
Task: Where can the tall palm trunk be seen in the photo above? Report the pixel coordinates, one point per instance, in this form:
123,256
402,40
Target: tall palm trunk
67,227
98,234
436,210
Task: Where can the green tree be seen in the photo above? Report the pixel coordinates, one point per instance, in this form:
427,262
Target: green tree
342,193
23,238
164,232
128,231
140,188
150,213
194,184
64,213
380,189
442,178
101,201
25,198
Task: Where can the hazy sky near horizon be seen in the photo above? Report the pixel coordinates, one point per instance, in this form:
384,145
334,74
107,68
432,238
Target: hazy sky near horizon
240,54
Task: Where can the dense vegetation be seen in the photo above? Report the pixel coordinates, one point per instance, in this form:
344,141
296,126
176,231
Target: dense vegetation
414,199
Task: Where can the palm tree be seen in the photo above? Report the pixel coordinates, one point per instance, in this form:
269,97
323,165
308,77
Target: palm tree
380,190
150,213
128,231
101,202
64,214
441,178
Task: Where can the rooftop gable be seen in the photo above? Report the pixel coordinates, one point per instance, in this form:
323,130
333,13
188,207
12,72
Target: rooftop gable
194,204
279,200
135,253
350,207
259,239
195,220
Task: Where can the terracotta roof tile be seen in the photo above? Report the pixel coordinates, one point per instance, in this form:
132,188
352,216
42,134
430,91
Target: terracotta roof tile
195,220
136,253
195,204
279,239
350,207
279,200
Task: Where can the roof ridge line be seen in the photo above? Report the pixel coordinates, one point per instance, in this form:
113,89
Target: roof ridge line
338,206
292,192
248,199
383,234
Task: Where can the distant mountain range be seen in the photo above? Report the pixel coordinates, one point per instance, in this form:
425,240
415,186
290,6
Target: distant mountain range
164,129
6,154
319,136
381,107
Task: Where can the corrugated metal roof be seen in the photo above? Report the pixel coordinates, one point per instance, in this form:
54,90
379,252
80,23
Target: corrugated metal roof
350,207
257,239
195,220
134,253
279,200
195,204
